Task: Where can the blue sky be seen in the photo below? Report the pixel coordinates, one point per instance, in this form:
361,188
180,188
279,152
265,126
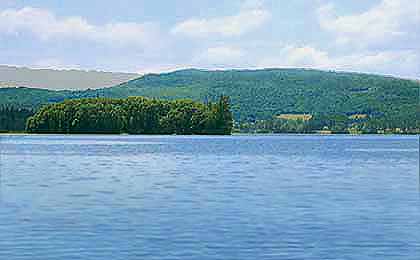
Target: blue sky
376,36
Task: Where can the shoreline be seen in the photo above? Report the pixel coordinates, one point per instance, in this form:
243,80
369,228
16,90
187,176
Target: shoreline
209,135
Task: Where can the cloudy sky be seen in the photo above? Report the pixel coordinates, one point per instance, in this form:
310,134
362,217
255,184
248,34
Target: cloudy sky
378,36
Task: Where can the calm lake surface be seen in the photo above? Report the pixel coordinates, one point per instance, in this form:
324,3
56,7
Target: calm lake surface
239,197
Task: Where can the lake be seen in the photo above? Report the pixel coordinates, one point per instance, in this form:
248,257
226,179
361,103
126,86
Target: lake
197,197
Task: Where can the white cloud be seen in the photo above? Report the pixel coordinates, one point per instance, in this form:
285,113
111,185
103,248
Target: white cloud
45,25
403,63
384,39
253,4
52,63
291,56
251,16
220,55
305,56
384,23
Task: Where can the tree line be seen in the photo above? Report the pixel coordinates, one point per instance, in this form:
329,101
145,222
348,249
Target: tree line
336,123
13,119
133,115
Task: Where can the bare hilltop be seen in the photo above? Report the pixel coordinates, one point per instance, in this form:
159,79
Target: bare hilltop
60,79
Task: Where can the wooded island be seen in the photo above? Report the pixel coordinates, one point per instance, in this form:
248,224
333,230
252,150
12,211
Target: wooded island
133,115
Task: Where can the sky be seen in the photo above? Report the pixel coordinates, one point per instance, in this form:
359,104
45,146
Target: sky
143,36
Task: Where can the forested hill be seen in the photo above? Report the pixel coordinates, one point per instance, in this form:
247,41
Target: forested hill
259,94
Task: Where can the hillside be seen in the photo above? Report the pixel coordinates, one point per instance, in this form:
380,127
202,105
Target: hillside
262,94
60,79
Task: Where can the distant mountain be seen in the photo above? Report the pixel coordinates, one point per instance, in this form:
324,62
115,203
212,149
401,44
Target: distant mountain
261,94
60,79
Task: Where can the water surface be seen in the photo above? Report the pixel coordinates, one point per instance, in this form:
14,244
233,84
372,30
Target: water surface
238,197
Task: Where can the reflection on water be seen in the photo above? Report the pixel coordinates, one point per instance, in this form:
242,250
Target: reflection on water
239,197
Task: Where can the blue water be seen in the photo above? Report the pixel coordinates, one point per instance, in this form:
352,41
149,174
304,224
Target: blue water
239,197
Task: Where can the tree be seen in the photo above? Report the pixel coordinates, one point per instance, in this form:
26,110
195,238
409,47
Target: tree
135,115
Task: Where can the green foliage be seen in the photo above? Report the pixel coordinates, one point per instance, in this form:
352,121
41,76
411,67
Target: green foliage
134,115
13,119
334,123
262,94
